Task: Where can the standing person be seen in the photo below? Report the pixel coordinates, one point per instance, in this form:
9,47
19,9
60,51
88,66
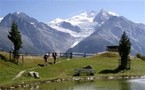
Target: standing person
54,54
45,58
71,55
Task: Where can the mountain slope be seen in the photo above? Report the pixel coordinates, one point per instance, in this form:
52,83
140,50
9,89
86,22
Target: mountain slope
37,37
103,16
79,26
88,32
109,34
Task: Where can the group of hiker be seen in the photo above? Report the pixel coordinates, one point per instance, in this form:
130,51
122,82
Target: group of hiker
47,55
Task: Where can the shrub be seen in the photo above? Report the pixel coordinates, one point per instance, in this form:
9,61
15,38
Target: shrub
138,55
109,54
142,58
3,57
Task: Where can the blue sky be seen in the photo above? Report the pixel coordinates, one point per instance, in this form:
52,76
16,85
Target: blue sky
47,10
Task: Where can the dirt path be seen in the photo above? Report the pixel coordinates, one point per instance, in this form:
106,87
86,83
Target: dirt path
19,74
23,71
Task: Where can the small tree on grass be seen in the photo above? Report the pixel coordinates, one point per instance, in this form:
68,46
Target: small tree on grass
15,37
124,50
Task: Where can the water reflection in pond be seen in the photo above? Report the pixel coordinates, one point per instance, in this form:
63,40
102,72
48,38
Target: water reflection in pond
91,85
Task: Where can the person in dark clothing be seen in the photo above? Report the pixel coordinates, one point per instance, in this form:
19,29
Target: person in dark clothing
71,55
54,54
46,56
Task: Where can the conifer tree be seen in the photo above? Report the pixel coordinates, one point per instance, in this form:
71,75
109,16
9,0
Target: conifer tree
15,37
124,50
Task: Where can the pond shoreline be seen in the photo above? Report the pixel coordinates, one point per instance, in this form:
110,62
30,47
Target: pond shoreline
76,78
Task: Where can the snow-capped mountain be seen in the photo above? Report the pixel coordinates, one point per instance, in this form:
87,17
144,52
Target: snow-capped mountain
88,32
82,25
103,16
79,26
81,21
109,33
78,19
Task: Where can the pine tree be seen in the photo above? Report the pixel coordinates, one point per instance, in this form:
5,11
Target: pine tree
15,37
124,50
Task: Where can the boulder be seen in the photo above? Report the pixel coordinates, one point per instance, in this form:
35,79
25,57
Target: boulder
34,74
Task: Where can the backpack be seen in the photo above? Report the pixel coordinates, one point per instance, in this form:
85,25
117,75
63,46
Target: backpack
45,56
54,54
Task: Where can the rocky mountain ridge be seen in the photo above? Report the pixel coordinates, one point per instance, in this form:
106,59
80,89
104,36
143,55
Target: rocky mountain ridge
88,32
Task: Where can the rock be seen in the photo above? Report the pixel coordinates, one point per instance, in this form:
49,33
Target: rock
34,74
110,77
12,87
87,67
142,76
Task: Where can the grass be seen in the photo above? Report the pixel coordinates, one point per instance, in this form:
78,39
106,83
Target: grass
65,68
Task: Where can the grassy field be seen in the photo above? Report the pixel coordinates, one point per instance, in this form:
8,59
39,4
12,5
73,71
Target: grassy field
64,68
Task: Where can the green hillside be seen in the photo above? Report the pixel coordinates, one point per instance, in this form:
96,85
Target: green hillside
64,68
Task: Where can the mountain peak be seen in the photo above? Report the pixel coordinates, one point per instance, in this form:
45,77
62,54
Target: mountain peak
103,16
18,13
104,12
86,17
112,13
80,18
17,17
57,20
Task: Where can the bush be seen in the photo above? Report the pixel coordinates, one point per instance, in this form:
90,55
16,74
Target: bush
142,58
138,55
109,54
3,57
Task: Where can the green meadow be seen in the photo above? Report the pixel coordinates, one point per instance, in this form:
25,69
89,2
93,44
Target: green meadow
64,68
